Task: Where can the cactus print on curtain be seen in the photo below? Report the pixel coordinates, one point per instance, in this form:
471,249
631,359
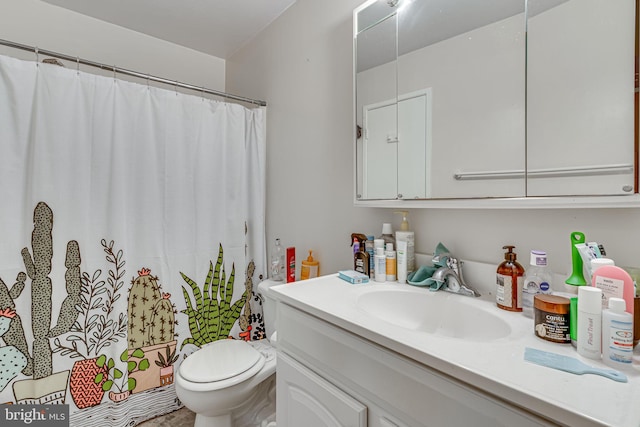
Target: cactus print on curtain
132,234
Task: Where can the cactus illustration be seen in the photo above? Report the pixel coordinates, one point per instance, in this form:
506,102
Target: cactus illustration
143,296
68,312
213,315
38,269
15,334
161,328
38,266
151,314
12,361
245,318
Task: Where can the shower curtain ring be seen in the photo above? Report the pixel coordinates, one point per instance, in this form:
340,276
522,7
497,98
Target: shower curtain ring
37,56
77,65
175,87
114,73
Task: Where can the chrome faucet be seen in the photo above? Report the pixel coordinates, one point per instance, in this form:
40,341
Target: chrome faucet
451,276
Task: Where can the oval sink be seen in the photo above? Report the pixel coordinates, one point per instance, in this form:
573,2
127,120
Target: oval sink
437,313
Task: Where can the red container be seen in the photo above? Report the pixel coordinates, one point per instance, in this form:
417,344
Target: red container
291,264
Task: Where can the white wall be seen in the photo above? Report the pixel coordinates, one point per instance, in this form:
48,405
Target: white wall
35,23
302,66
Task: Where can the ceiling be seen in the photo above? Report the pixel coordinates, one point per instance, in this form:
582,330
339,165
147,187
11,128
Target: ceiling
214,27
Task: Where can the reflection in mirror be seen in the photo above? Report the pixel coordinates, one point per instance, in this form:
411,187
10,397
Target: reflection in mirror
471,55
377,114
447,112
460,91
580,97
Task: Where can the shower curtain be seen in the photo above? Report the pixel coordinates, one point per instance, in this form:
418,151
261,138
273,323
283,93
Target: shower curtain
131,234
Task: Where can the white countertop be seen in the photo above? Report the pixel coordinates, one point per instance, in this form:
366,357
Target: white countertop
497,367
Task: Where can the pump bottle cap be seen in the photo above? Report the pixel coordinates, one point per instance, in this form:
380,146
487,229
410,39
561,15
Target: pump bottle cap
617,305
596,263
538,258
404,225
310,260
386,228
509,255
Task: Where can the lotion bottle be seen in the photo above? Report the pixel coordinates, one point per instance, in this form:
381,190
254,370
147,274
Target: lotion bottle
589,329
509,281
617,334
401,257
310,268
615,282
408,236
390,258
381,266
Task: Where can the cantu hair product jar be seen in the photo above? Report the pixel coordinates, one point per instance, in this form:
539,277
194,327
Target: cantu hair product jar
551,313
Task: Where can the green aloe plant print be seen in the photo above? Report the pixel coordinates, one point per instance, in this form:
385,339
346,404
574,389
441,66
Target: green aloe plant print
211,314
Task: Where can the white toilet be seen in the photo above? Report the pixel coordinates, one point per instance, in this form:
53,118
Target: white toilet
232,382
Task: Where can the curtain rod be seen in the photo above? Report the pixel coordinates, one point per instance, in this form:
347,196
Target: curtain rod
113,68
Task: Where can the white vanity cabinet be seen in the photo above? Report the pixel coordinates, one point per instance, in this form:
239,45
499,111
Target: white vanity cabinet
306,399
329,376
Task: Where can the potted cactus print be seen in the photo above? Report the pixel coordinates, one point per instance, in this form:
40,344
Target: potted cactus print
166,365
12,361
151,327
44,386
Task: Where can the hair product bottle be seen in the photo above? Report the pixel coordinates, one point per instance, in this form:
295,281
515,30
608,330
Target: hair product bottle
589,322
390,258
617,334
310,268
509,281
360,255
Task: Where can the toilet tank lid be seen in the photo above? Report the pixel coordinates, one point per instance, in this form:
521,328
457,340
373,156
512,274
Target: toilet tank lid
219,361
265,286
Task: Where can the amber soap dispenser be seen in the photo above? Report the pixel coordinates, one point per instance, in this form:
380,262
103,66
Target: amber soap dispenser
509,280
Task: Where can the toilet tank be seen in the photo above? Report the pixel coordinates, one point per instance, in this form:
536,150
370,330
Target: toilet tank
268,305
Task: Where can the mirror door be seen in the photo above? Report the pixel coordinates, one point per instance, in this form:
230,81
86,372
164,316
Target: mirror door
580,97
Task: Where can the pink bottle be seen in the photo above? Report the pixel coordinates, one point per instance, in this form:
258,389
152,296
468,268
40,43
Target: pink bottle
615,283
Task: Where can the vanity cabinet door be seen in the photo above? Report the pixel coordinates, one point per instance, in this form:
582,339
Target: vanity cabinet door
305,399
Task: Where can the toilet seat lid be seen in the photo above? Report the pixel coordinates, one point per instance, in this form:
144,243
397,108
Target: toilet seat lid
219,360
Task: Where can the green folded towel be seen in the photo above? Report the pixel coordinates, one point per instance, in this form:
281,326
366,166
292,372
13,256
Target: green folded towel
422,277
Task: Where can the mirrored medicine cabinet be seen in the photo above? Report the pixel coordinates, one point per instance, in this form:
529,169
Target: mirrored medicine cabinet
460,101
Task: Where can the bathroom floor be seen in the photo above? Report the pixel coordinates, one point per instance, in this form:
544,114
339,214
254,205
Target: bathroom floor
180,418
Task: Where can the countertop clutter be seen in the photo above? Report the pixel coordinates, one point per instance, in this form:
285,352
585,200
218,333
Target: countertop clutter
470,339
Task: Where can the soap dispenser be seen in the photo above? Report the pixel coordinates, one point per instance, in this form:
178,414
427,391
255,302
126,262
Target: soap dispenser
509,281
405,235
